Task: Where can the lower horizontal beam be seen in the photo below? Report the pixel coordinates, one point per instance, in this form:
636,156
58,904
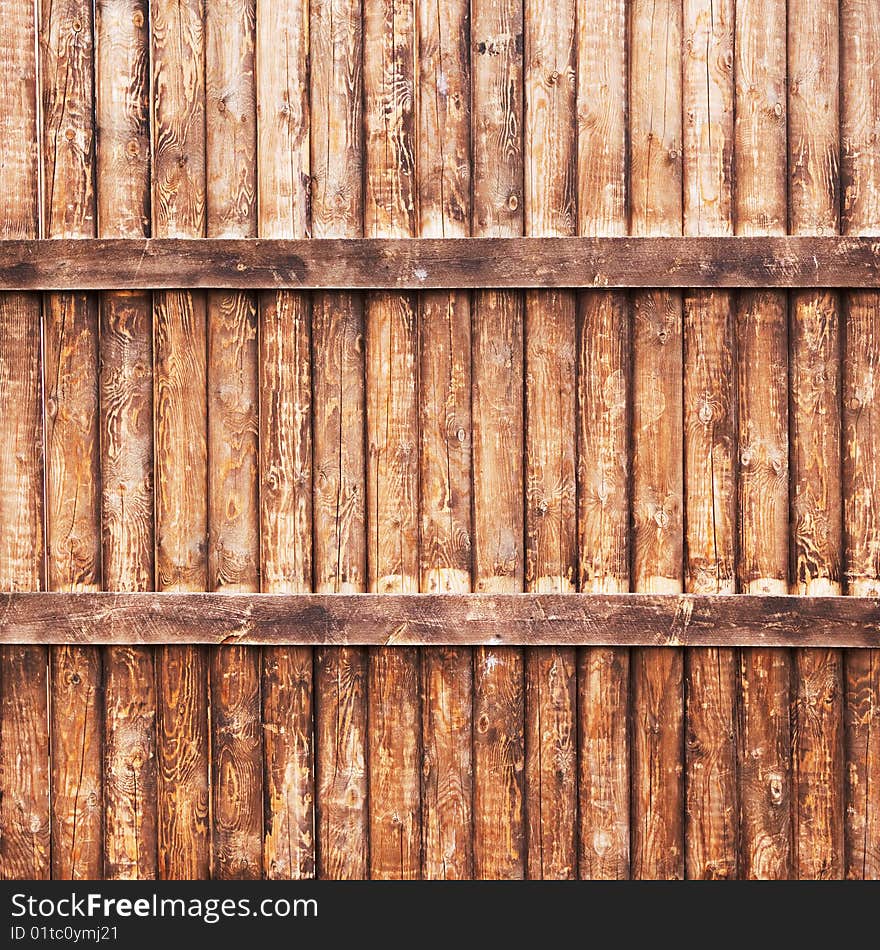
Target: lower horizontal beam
166,264
440,619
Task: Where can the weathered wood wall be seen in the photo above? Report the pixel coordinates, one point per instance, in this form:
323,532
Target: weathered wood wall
494,441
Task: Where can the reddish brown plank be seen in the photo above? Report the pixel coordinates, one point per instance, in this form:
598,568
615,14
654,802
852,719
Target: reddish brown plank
177,58
391,263
760,197
24,714
860,184
497,407
338,381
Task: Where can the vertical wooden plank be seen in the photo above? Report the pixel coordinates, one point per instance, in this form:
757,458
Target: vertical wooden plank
551,525
336,35
710,442
285,438
72,449
24,713
180,344
603,444
392,439
498,421
655,208
817,513
444,188
233,476
860,118
760,207
126,396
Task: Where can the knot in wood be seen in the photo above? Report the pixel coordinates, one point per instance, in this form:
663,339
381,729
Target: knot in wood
706,413
662,518
138,19
513,201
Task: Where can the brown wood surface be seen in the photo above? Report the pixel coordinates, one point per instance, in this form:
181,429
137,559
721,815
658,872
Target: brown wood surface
24,714
604,401
497,407
339,484
710,441
760,200
444,189
550,159
180,434
496,619
816,500
392,439
126,402
233,459
439,263
860,173
656,208
73,533
285,539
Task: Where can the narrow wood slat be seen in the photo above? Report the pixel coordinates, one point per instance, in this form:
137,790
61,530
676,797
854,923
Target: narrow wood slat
657,478
497,408
282,94
180,434
444,195
491,619
73,520
126,398
391,362
816,499
339,483
391,263
604,403
233,463
860,184
760,199
24,713
711,812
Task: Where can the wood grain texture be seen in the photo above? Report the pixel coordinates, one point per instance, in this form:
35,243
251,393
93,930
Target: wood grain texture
390,208
604,400
282,93
24,713
441,263
72,447
860,174
499,565
710,441
126,395
550,161
180,352
656,208
760,199
497,619
817,506
126,399
233,419
497,407
444,190
339,483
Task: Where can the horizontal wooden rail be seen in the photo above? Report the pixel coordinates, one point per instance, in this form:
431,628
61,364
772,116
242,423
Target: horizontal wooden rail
441,619
441,263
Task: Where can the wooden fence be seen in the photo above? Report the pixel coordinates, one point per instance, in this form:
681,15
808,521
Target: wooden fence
576,436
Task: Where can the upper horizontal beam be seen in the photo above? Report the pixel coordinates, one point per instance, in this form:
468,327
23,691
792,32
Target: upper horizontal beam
440,619
164,264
